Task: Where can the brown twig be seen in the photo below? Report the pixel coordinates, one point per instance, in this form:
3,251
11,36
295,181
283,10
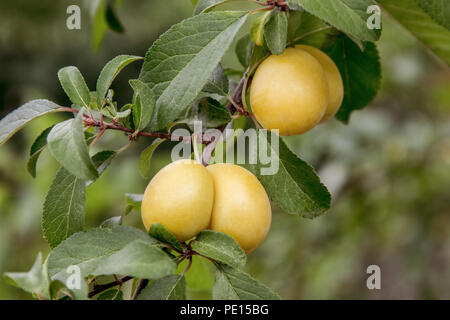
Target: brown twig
117,126
282,4
234,105
237,98
99,135
187,267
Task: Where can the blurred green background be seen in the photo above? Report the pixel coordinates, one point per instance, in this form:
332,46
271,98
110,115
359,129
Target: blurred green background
388,170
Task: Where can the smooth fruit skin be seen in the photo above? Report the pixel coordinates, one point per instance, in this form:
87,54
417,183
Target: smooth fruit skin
335,84
289,92
180,197
241,205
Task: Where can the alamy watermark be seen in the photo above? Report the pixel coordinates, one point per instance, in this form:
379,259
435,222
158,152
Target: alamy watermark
73,21
73,281
374,21
374,280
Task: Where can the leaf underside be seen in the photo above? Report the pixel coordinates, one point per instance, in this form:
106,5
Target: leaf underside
17,119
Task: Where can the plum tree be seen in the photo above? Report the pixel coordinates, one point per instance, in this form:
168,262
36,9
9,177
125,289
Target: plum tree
241,205
289,92
334,80
180,197
184,78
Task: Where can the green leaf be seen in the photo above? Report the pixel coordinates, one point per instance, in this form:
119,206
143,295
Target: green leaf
143,110
438,10
136,112
128,120
109,73
36,148
103,159
349,16
217,84
112,222
139,259
159,232
294,22
109,111
361,74
35,281
295,188
258,55
172,287
112,19
307,29
89,135
220,247
74,86
93,100
113,294
123,114
58,290
200,275
20,117
63,213
275,32
181,61
67,144
421,25
99,24
210,112
88,249
205,5
244,48
257,28
133,202
146,158
233,284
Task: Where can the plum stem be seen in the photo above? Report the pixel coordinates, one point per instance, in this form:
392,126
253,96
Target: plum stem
195,146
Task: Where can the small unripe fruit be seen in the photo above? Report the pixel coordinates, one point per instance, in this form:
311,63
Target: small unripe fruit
335,84
289,92
180,197
241,205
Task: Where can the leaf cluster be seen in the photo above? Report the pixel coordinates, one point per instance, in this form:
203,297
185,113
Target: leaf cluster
181,81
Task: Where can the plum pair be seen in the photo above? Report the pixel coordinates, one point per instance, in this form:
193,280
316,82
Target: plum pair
187,197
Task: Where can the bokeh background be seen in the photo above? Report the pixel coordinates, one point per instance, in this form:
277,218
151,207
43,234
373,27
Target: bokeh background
388,170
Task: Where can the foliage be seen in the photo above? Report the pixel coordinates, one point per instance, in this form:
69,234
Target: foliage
182,79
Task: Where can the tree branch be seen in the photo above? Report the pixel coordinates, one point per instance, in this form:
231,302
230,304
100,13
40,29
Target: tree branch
234,105
237,98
